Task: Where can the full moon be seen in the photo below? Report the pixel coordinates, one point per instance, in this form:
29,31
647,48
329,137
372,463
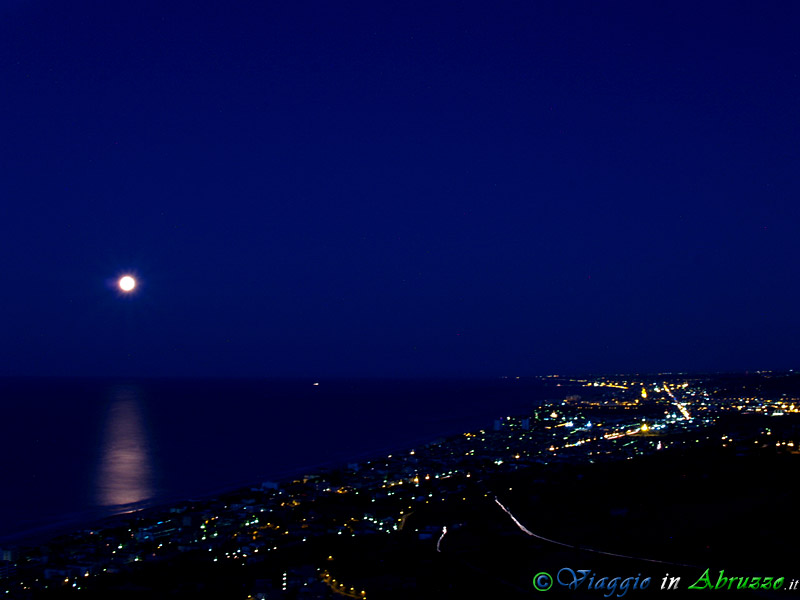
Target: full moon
127,283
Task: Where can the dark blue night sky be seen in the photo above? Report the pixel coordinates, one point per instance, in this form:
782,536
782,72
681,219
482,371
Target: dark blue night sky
408,189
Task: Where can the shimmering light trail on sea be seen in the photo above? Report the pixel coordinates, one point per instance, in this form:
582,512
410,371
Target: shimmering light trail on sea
125,470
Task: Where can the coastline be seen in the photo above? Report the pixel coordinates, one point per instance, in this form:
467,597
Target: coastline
467,405
92,519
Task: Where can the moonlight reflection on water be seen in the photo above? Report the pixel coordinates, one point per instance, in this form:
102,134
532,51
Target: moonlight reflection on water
125,475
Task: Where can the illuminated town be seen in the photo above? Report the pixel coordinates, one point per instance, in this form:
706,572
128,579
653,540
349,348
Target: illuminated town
300,538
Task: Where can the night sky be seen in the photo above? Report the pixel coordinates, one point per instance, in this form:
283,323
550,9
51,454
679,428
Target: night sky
325,189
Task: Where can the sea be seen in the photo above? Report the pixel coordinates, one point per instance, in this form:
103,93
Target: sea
78,450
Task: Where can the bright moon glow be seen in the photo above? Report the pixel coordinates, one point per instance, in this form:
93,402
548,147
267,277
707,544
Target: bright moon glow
127,283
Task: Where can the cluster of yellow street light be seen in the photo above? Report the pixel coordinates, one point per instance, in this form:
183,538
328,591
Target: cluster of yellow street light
340,588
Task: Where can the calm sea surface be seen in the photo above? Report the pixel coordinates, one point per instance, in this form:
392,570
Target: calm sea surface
78,449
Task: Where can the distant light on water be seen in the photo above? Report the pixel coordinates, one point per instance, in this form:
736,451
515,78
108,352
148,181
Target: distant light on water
125,475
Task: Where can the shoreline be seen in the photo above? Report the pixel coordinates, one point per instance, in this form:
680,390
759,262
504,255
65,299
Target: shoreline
462,417
46,533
